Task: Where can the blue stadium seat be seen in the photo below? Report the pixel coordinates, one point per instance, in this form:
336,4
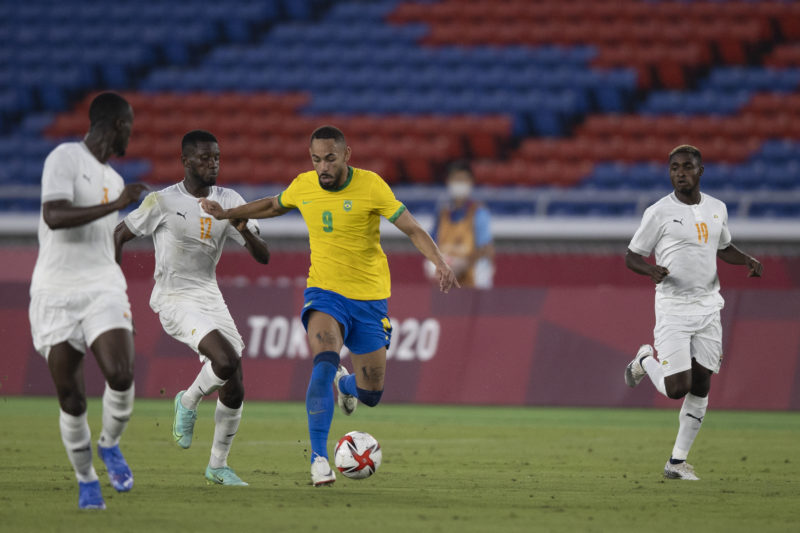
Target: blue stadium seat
774,210
779,150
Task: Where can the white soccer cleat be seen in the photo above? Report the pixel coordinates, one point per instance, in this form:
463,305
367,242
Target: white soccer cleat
680,471
321,472
347,402
635,372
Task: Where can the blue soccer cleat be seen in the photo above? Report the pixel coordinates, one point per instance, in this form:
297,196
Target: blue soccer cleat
119,473
183,425
224,476
89,495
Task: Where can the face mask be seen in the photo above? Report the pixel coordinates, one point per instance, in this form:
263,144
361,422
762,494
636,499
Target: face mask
459,190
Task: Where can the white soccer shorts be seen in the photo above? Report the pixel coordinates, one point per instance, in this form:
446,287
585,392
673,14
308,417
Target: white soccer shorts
188,321
679,339
78,318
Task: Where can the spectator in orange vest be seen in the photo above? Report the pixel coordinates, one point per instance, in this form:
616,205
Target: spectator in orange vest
463,230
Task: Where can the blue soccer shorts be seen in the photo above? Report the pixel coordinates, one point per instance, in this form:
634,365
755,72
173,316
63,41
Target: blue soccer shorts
366,322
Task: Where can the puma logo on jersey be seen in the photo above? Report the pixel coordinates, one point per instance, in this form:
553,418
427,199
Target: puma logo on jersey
699,419
678,221
181,214
87,178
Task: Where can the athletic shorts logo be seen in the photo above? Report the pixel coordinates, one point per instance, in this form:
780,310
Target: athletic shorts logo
348,205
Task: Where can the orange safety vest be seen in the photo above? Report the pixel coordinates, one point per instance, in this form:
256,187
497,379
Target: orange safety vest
457,239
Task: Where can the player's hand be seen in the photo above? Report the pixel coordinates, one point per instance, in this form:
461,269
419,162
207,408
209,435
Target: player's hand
447,278
212,208
239,223
754,267
658,273
131,193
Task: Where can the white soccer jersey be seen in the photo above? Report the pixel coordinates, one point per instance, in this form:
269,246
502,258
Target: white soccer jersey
79,259
685,239
188,241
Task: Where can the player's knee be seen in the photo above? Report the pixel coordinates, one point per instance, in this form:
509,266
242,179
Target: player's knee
370,398
676,392
227,367
72,402
678,385
121,379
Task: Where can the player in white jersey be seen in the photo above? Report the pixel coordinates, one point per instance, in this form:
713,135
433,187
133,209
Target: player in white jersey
186,296
78,293
688,230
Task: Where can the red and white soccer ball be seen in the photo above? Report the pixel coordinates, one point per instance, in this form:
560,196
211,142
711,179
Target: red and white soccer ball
358,455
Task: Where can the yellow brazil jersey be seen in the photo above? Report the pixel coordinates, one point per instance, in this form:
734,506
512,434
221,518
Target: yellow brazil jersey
344,232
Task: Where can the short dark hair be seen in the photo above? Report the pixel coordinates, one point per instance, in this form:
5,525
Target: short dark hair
686,149
328,132
107,106
197,136
460,165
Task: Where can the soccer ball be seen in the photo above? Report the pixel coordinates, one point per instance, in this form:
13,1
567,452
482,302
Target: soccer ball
358,455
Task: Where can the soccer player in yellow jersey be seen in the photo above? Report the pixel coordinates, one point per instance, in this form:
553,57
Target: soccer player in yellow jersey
348,282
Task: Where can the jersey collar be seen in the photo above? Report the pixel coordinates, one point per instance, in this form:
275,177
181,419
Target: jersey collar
347,181
674,198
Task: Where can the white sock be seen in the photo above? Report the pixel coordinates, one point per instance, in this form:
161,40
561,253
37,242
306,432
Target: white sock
77,440
227,423
117,409
691,418
653,369
204,384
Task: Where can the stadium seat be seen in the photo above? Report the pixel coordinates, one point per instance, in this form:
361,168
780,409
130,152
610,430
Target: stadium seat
561,94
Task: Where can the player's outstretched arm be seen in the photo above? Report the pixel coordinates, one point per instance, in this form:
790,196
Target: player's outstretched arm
255,245
422,240
637,263
60,214
122,234
263,208
735,256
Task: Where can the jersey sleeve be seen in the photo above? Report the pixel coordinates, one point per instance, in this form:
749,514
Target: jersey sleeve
147,217
383,201
234,200
58,177
725,234
288,198
646,237
482,226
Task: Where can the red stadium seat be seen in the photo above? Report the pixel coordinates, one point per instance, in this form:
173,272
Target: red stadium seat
165,171
68,125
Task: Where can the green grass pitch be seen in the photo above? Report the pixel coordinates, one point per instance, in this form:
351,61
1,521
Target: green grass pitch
444,469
